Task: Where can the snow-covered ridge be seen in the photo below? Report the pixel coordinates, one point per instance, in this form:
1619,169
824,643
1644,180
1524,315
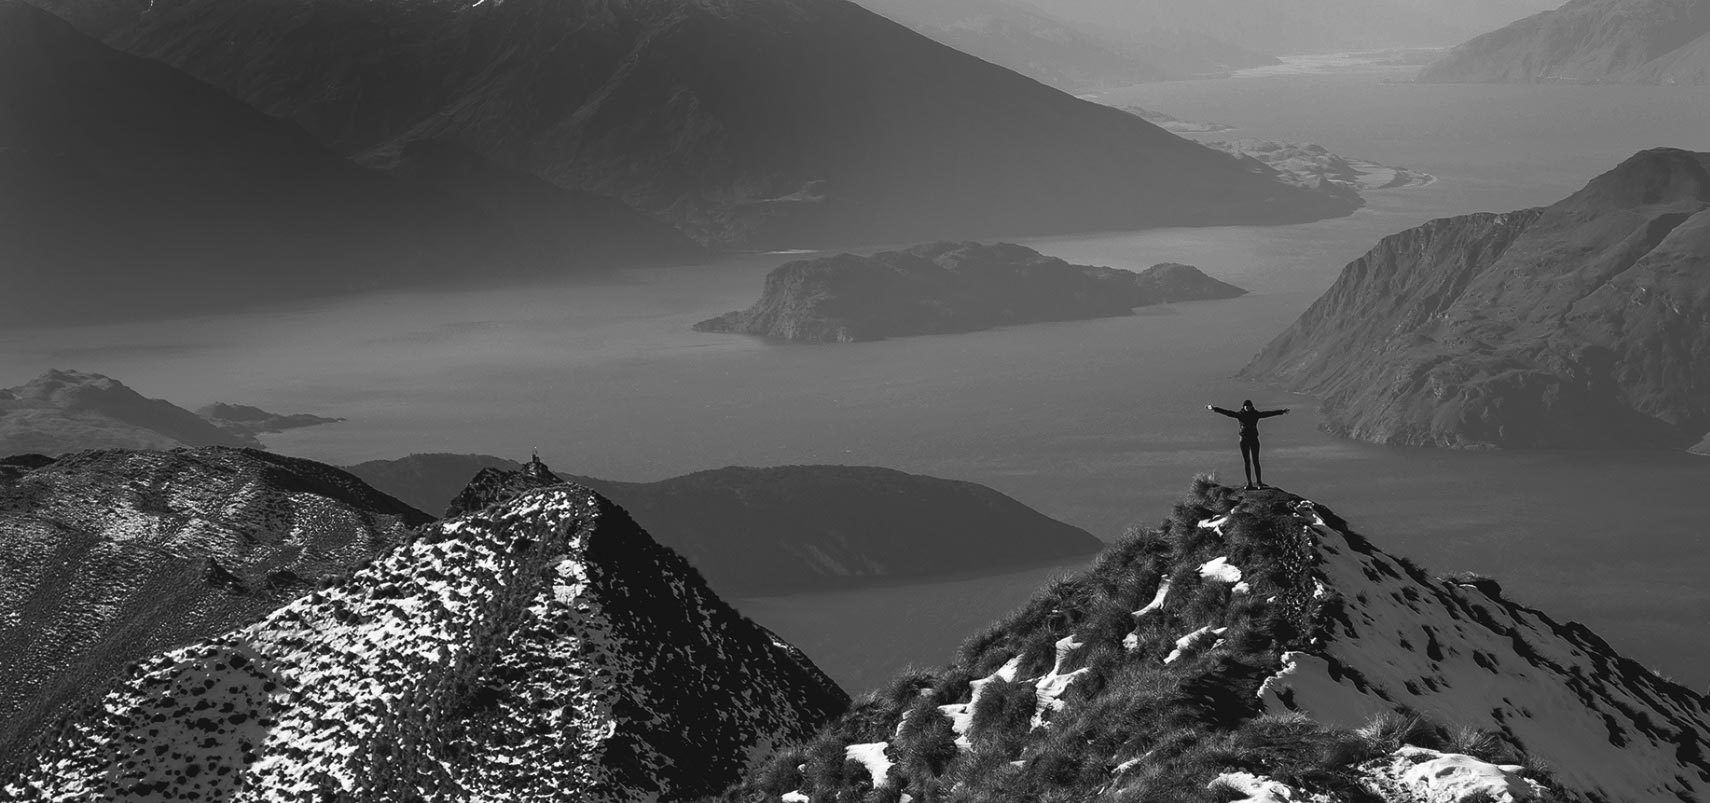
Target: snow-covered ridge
545,648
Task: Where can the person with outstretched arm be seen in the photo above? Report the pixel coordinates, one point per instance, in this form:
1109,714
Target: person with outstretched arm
1249,418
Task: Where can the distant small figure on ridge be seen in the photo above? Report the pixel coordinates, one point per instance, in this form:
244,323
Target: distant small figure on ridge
1249,418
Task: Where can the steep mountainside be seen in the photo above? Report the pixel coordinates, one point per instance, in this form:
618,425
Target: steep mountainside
545,649
755,531
106,557
72,411
949,287
170,196
1590,41
1061,53
752,122
1255,648
1584,324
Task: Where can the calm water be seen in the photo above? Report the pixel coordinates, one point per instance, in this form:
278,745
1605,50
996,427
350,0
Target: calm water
1098,423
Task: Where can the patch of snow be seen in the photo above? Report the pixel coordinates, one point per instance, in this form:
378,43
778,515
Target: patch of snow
871,756
1191,641
1257,788
795,797
1048,690
1215,525
1220,570
1427,776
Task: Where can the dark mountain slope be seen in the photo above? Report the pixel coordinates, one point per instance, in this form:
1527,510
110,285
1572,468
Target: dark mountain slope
1231,654
1584,324
1590,41
544,649
168,195
106,557
428,481
754,122
755,531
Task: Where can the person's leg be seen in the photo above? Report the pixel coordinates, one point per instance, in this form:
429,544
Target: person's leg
1247,460
1258,471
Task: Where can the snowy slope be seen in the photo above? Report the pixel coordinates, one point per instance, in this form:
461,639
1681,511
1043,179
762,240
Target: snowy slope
1610,728
541,649
106,557
1255,648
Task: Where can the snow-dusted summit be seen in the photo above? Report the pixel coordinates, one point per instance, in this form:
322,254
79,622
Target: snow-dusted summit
544,648
1255,648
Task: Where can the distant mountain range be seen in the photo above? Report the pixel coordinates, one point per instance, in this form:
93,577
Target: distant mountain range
71,411
1067,55
1590,41
1256,648
788,529
125,175
757,123
1581,324
948,287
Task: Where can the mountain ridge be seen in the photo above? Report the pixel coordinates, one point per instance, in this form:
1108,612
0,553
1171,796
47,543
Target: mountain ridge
1254,647
541,647
752,124
108,556
1569,326
1589,41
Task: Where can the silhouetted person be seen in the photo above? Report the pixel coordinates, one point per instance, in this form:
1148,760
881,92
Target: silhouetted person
1249,418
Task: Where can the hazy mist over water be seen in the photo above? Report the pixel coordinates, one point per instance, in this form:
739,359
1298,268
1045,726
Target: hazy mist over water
1099,423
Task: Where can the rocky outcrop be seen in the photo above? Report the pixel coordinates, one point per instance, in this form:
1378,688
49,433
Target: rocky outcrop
1254,647
71,411
1578,325
543,648
1590,41
949,287
759,123
107,557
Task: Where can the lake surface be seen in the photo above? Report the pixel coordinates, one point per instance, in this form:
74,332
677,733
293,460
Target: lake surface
1098,423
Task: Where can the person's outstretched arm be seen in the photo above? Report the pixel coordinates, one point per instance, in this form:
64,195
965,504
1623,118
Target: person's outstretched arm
1221,411
1270,413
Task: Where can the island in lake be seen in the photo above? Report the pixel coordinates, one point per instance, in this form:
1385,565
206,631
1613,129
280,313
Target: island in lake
951,287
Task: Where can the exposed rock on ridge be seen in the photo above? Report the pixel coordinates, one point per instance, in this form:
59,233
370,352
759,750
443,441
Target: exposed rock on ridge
106,557
1584,324
1235,649
950,287
542,648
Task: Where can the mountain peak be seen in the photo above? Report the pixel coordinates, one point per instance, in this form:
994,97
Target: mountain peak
545,647
1255,641
1658,176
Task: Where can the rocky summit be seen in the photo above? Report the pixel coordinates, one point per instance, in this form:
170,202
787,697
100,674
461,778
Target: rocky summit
541,649
107,557
950,287
1254,647
1577,325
